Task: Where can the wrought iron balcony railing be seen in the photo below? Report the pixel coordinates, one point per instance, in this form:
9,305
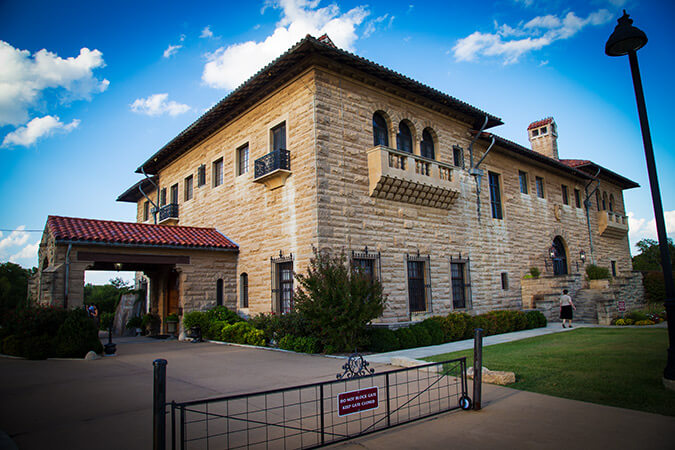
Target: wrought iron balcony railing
273,168
168,212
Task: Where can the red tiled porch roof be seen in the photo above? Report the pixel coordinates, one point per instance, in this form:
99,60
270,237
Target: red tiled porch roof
131,233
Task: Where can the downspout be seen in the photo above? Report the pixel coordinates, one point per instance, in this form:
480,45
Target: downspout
474,170
154,205
587,206
65,289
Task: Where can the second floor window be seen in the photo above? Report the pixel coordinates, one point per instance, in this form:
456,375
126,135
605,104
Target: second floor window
427,145
162,197
279,137
201,175
188,188
218,172
242,160
146,211
495,195
243,290
174,193
611,202
565,197
404,138
539,182
522,177
457,156
380,133
577,198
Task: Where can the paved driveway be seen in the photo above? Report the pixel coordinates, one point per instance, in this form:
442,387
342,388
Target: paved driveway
107,403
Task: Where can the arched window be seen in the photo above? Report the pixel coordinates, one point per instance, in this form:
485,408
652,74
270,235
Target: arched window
243,290
219,292
404,138
597,199
380,133
611,202
559,257
604,201
427,145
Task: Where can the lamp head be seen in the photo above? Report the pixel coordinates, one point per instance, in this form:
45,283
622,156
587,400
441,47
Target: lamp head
625,38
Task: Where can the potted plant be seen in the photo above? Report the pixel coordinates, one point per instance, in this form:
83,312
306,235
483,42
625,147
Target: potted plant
171,323
136,324
598,277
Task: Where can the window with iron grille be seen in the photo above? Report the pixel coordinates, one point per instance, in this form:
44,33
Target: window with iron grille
522,178
174,193
539,183
565,196
457,156
419,283
242,160
243,290
218,172
461,285
282,283
577,198
146,210
366,263
279,137
201,175
495,195
162,197
188,188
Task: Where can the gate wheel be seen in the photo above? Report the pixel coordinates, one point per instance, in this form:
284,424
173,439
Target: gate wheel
465,402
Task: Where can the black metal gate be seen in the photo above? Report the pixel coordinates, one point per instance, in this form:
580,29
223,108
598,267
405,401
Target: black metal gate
316,414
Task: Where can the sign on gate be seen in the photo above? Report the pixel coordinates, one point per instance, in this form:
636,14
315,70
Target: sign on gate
357,401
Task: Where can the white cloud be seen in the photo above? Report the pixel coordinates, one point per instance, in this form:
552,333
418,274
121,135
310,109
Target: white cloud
15,238
36,129
24,77
171,50
157,104
640,228
206,32
525,2
229,66
30,251
371,26
511,43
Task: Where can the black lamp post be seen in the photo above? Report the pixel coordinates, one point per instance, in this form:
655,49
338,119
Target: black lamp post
626,40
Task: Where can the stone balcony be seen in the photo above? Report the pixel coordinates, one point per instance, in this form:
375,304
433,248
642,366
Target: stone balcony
273,168
168,214
612,224
404,177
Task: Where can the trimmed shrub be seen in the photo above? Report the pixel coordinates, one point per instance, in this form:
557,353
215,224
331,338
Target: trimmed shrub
276,327
637,316
534,271
38,347
596,272
535,319
77,336
422,336
222,314
381,340
195,318
456,326
434,329
241,333
406,338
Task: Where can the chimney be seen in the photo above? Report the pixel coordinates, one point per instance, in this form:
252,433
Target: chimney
543,135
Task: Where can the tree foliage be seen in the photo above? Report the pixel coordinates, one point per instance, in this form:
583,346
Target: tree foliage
337,302
106,296
13,286
649,257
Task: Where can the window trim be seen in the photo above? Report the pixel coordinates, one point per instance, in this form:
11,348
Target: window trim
218,178
564,190
496,206
458,156
505,281
465,264
426,282
377,127
282,123
523,182
243,290
537,179
577,198
276,290
201,175
188,188
162,197
238,152
173,194
146,211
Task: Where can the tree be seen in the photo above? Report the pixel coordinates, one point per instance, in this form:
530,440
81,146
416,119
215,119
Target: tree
649,257
337,302
13,286
107,296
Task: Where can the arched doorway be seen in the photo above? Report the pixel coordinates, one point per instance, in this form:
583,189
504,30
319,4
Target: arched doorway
559,257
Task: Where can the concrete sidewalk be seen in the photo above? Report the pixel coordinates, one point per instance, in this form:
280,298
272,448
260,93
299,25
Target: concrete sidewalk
424,352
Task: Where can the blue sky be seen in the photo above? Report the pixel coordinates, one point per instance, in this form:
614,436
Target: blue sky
89,90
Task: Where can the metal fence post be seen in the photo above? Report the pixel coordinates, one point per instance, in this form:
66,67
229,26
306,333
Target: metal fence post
322,418
477,367
159,405
388,404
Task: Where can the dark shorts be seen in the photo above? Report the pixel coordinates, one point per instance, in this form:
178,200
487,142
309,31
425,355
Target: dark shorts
566,312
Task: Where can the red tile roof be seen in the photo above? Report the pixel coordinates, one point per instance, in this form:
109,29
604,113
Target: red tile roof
141,234
540,123
575,162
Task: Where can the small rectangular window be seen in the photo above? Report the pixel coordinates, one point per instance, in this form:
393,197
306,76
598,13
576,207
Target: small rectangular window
577,198
243,290
217,172
505,281
242,160
279,137
613,268
201,175
174,194
522,177
495,195
146,211
543,130
539,182
565,196
458,156
188,188
535,133
162,197
461,294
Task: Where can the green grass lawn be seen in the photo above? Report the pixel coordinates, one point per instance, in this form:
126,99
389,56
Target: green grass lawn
617,367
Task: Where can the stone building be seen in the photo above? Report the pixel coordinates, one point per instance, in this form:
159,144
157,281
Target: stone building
325,149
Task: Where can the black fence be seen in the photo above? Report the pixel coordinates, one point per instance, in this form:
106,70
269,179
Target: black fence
279,159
